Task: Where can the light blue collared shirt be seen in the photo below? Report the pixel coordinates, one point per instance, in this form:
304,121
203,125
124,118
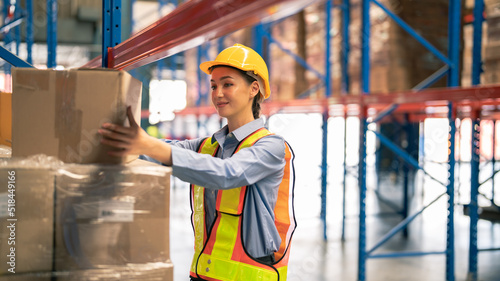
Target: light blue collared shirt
260,167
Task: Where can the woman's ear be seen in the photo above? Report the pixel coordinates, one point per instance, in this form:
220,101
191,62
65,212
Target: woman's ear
254,89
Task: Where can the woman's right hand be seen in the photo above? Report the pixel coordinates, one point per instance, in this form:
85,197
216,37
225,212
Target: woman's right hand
134,140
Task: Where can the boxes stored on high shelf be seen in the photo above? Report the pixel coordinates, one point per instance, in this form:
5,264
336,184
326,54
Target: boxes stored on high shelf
5,119
58,113
83,222
26,214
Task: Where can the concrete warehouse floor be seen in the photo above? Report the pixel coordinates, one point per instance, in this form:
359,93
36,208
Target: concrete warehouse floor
314,259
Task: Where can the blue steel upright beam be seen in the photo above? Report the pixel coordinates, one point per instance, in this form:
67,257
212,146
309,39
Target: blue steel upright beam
365,47
406,171
454,42
362,255
450,189
346,19
345,90
30,35
326,115
493,161
474,187
477,41
258,36
324,169
328,52
111,27
365,89
7,36
17,28
344,176
51,33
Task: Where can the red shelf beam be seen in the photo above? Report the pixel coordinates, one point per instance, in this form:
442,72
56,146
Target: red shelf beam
420,105
190,25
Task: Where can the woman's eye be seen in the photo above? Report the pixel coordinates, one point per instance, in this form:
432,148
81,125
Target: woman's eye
227,84
213,87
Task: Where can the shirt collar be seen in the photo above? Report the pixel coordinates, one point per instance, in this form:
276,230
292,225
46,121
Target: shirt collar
240,133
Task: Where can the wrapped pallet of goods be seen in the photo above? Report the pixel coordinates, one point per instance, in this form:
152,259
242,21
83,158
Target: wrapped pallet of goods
68,210
85,222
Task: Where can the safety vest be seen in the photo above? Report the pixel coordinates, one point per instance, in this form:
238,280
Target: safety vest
220,254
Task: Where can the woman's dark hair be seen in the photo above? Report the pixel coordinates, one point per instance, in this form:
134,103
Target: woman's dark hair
257,100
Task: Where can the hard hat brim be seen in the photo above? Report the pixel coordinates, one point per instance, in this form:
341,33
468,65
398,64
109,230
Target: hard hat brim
206,67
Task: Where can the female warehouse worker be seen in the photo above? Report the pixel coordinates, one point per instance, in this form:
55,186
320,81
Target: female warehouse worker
241,177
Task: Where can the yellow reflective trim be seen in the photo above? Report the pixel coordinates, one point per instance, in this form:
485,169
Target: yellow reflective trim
199,207
227,270
253,138
198,217
230,200
199,199
226,235
209,147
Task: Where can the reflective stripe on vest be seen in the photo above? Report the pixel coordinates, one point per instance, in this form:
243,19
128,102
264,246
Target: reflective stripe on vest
220,255
198,201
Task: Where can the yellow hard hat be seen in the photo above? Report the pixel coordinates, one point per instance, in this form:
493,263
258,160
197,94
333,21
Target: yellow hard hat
246,59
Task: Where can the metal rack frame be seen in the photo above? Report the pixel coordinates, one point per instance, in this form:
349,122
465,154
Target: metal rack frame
12,21
451,69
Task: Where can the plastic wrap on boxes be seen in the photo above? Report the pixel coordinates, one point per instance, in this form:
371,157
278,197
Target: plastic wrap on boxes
26,205
86,222
132,272
5,151
111,215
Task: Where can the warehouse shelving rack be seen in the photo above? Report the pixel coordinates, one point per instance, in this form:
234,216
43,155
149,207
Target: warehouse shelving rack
178,32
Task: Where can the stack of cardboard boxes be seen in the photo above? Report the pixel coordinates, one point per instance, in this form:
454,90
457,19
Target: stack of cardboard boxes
492,53
102,218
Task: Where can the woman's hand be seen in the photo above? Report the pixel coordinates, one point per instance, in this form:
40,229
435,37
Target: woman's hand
134,140
127,140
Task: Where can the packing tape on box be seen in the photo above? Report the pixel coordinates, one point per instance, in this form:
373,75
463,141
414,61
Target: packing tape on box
68,125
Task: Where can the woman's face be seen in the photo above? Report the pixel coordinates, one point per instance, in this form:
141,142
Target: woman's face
232,96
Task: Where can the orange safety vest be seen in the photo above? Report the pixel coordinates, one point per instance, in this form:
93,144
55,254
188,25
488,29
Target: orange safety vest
220,254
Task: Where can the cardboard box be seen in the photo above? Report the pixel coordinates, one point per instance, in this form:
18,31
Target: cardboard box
111,216
5,119
32,188
58,113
